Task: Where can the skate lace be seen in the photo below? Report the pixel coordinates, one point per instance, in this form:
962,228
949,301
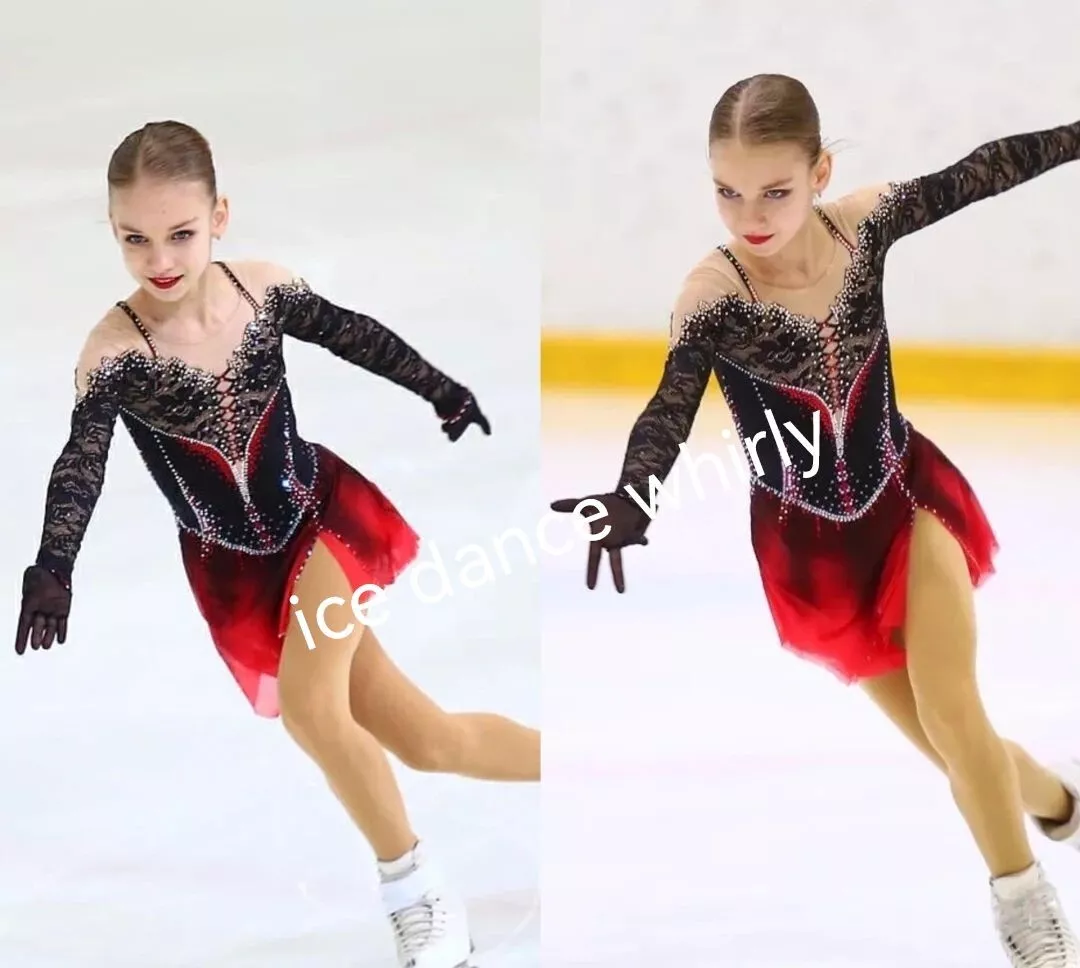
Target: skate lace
419,925
1036,934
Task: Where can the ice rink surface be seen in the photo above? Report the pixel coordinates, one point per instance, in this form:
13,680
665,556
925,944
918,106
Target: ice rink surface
147,817
712,800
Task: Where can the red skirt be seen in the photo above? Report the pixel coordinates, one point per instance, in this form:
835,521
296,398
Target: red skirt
837,590
244,598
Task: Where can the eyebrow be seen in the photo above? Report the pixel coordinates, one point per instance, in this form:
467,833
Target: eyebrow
128,228
765,188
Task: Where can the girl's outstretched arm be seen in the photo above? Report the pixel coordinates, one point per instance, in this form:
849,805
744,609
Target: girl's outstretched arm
75,484
620,517
364,341
989,170
664,425
78,474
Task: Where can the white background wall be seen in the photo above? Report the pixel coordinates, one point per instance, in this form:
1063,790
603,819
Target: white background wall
907,87
387,154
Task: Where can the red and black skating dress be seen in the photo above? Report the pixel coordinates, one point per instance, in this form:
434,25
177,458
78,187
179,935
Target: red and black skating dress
249,495
832,541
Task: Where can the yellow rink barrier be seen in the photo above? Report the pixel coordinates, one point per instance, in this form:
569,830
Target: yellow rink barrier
1022,375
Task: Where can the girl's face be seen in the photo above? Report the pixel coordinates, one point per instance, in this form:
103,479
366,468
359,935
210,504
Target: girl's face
166,230
764,193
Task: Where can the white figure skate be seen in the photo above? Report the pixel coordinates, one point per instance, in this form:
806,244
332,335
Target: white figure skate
429,921
1030,922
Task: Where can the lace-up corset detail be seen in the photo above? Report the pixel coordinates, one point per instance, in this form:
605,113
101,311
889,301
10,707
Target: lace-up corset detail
223,446
819,338
221,410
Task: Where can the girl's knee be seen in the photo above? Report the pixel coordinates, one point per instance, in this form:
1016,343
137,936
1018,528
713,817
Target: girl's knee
437,750
954,719
313,718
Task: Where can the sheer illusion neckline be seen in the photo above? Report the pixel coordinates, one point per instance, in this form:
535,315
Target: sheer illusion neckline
812,284
214,376
804,319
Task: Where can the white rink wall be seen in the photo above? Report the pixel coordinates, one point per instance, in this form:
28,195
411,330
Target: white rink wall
274,77
906,88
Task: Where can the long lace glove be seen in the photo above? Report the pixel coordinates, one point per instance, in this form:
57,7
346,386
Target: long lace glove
46,603
625,525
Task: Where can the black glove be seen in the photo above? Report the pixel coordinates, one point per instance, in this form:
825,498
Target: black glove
627,523
46,602
458,414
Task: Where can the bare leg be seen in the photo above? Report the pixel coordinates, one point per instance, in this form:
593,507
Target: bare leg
940,641
313,687
425,737
1041,792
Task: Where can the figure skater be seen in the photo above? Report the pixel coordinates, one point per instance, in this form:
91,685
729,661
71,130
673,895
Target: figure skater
868,565
267,521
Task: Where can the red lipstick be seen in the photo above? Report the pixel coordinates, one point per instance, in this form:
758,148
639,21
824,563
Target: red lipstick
757,239
165,282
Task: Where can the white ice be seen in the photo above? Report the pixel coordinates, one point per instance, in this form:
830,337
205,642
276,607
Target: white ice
712,800
147,817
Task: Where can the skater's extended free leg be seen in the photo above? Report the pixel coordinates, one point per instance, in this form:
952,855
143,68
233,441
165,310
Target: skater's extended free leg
427,738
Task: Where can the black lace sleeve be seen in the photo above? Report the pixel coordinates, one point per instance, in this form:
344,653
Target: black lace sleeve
79,472
989,170
665,423
365,342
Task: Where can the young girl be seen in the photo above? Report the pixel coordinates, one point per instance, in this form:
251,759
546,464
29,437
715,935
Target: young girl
868,551
278,536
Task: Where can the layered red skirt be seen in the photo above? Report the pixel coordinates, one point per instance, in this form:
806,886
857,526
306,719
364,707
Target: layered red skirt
837,590
244,598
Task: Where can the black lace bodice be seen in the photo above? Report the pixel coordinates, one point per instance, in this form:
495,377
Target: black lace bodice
222,447
785,374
